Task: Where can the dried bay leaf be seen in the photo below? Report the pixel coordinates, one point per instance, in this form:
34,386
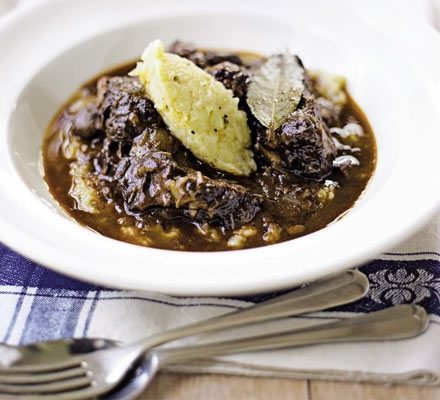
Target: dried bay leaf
275,89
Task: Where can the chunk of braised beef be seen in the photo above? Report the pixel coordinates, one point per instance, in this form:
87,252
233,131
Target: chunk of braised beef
214,58
87,121
108,157
329,112
182,49
201,58
150,178
82,119
284,196
302,145
234,77
307,146
223,203
126,111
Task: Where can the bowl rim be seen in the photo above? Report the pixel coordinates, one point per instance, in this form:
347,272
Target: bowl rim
40,251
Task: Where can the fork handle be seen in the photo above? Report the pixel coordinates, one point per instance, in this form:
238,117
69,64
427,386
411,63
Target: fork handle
397,322
331,292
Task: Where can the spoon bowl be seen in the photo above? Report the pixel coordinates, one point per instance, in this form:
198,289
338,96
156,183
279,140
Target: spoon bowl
135,382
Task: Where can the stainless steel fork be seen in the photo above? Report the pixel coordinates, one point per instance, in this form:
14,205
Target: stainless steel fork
97,373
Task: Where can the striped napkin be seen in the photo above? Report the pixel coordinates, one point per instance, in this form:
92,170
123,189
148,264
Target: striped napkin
38,304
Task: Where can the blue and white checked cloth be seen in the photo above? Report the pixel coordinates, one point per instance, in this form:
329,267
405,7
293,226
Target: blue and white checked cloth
37,304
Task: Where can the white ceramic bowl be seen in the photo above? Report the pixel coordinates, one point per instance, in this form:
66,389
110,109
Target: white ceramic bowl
48,50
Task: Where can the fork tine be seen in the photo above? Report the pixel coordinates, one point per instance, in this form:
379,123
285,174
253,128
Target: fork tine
46,388
22,379
80,394
39,368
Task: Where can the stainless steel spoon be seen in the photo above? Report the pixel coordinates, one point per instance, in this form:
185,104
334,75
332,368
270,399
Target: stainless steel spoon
330,292
140,376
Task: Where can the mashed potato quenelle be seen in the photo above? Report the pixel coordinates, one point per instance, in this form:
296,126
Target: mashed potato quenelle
197,109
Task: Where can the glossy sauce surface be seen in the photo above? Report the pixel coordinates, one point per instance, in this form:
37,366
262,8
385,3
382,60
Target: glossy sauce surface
180,234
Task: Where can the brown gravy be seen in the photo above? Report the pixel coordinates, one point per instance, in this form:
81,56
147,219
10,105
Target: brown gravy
179,234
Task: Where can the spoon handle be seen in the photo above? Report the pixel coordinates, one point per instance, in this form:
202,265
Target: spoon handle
397,322
330,292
